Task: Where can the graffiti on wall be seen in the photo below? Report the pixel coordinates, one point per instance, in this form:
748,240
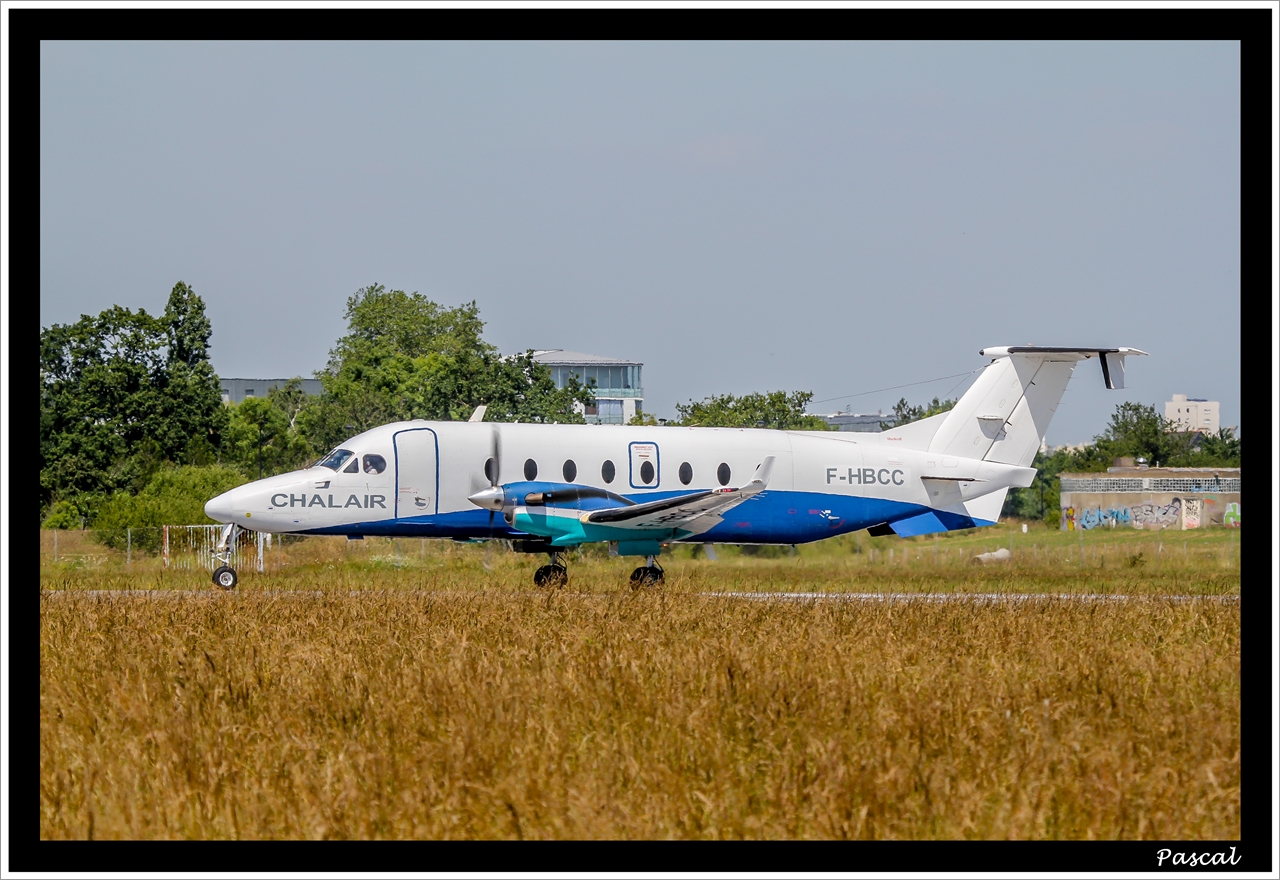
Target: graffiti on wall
1191,513
1157,516
1232,516
1140,516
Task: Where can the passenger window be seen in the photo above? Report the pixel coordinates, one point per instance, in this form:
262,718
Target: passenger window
530,469
607,471
570,471
374,464
353,468
723,473
686,473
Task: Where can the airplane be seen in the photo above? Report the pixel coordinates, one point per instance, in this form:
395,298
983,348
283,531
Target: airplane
550,488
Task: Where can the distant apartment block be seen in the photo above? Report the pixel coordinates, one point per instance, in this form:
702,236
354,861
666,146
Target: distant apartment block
236,390
1192,414
619,391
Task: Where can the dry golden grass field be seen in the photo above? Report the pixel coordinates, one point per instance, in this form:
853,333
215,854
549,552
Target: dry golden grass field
412,689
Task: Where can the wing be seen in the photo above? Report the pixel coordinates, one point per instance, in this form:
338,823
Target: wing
682,510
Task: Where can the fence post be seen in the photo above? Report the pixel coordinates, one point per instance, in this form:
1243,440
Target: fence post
259,551
55,545
165,553
128,549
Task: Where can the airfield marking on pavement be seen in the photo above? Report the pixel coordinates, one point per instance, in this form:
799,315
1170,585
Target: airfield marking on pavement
964,597
980,598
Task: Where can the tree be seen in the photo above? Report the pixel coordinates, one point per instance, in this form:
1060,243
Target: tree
406,357
261,439
773,409
174,495
904,413
123,392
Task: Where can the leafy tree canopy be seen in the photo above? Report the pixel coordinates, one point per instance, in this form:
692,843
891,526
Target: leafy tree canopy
905,413
773,409
175,494
123,391
406,357
262,438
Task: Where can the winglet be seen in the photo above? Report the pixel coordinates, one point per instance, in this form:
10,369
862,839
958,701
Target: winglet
478,415
762,474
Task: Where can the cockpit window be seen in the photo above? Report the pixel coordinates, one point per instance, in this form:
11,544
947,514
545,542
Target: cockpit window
336,459
353,468
374,464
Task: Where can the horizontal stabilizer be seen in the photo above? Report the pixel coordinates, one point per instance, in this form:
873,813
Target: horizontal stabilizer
930,522
1004,415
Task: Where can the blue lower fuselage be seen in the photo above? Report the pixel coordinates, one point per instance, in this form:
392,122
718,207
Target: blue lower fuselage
779,517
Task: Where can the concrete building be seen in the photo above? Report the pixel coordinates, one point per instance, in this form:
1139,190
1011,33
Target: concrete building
236,390
1151,498
864,423
619,390
1192,413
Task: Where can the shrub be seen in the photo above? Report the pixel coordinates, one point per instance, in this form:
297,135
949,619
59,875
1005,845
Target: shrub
174,496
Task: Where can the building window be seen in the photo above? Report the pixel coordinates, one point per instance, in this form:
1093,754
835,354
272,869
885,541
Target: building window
248,392
609,411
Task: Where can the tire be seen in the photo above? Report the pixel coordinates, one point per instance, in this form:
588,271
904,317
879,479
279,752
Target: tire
225,577
644,576
551,576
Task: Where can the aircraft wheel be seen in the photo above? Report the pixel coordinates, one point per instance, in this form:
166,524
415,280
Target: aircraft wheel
646,576
225,577
551,576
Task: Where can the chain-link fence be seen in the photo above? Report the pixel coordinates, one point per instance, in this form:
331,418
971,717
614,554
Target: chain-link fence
166,548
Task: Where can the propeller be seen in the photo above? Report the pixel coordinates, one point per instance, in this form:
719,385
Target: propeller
490,495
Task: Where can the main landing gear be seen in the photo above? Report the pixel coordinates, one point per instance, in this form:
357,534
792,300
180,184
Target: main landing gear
648,575
553,575
224,575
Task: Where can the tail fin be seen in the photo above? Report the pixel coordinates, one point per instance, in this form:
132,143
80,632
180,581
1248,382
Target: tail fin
1004,416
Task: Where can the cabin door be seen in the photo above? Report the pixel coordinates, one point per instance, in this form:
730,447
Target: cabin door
417,477
644,466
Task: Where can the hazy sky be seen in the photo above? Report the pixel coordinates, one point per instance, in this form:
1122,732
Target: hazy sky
835,217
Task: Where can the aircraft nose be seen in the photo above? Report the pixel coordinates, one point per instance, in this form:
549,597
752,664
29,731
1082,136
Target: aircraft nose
220,509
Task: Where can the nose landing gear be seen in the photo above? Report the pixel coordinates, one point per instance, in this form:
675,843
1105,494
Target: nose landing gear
224,575
553,575
648,575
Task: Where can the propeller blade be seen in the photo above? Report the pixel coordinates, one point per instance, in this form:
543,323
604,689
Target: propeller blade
495,455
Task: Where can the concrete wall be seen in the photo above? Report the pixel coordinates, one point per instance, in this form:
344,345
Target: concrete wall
1149,510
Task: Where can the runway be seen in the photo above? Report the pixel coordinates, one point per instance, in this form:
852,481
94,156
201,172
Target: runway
971,598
